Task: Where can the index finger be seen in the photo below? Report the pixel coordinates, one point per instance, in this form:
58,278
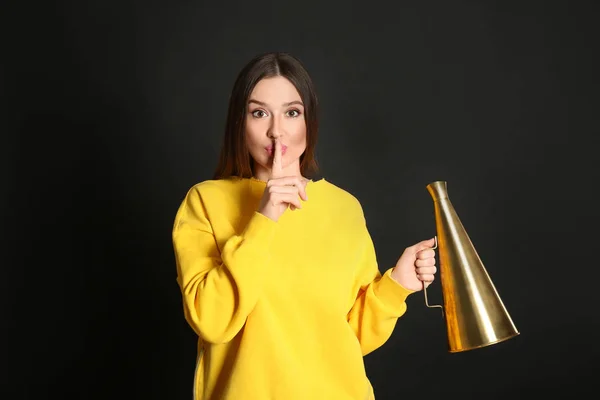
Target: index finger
276,168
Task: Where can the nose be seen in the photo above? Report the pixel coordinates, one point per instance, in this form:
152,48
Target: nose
275,130
274,134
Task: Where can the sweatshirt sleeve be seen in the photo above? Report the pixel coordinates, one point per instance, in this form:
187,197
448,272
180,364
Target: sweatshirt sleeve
219,288
380,301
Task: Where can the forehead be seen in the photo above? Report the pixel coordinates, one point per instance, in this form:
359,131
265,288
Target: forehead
277,89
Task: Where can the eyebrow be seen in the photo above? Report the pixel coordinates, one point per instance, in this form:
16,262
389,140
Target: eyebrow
284,104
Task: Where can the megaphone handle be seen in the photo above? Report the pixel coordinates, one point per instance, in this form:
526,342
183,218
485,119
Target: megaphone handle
425,288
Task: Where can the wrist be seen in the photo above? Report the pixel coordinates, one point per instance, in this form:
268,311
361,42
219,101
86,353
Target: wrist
268,215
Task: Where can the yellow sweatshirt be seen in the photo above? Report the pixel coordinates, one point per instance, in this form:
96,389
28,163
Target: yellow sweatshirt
284,310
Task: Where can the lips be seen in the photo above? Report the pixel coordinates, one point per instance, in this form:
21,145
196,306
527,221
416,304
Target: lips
270,149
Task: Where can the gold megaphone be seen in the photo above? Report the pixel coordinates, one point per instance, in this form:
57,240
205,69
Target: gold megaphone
475,316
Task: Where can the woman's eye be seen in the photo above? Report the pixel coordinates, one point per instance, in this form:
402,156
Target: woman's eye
293,113
258,113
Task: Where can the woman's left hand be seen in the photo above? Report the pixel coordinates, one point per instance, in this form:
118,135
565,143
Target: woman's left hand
416,266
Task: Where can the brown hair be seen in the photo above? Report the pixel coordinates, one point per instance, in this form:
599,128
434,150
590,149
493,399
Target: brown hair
235,159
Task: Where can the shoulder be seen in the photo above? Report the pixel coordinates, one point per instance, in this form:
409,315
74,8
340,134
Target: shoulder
341,198
214,188
202,197
340,193
211,192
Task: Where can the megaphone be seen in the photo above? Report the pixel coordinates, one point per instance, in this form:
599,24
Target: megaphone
475,315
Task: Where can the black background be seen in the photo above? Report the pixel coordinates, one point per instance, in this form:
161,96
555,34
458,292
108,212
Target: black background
113,109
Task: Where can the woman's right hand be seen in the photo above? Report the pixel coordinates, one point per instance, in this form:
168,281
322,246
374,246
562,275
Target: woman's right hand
281,191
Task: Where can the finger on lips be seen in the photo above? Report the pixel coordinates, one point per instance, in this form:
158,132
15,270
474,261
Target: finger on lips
276,169
287,189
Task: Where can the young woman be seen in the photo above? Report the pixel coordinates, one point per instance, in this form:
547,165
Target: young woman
278,272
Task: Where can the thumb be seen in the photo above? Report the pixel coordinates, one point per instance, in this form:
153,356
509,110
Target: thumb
425,244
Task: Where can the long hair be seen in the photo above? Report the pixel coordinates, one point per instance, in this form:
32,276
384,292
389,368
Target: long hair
235,159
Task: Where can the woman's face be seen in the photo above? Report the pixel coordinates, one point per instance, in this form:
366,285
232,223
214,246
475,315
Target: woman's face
275,112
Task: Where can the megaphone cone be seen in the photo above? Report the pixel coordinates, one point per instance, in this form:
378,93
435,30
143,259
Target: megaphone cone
474,313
